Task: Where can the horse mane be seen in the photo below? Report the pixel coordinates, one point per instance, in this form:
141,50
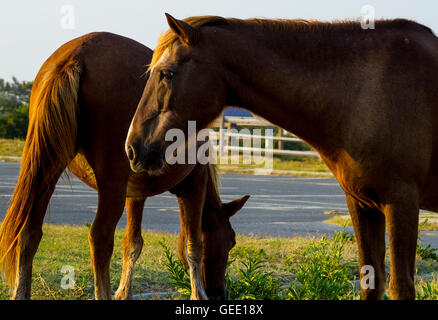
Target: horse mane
302,25
168,38
212,170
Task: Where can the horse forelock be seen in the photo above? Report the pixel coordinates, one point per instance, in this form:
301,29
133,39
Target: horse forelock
169,37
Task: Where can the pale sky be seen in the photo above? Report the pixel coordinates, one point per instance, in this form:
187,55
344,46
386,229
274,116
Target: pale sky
30,30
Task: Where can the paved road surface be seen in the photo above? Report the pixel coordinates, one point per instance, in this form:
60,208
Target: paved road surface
279,206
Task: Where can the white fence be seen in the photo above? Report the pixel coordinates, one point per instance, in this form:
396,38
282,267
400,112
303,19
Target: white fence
225,134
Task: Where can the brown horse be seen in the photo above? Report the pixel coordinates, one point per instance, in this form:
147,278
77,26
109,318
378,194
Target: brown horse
82,102
366,100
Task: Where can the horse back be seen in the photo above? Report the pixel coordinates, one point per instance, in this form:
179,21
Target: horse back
112,78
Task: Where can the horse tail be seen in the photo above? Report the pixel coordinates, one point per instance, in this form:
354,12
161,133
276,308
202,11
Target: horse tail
50,146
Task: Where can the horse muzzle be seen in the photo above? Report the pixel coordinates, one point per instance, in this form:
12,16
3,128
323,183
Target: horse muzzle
144,159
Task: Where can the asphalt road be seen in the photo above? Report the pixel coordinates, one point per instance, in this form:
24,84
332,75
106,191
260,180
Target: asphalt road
279,206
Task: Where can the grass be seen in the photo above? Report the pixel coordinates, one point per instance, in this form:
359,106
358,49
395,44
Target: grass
425,221
283,165
342,220
427,290
67,245
11,147
300,164
251,281
275,265
318,274
425,253
317,269
322,272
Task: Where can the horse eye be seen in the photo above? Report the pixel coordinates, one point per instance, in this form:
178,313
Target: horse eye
166,74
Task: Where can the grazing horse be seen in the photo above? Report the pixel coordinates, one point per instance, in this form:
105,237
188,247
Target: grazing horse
366,100
82,102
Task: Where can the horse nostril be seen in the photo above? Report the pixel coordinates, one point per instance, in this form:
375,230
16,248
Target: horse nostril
154,154
131,153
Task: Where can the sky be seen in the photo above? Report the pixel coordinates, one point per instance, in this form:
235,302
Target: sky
31,30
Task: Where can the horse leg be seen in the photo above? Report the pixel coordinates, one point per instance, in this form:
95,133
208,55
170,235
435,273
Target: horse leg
182,239
131,247
401,213
191,197
111,199
369,228
193,241
29,241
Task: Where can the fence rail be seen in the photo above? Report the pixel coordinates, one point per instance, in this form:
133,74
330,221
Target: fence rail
276,151
224,134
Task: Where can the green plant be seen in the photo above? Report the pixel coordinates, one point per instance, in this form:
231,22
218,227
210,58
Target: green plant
322,273
179,275
14,123
252,282
427,252
427,290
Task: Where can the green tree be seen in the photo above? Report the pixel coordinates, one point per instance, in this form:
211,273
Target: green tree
14,108
14,124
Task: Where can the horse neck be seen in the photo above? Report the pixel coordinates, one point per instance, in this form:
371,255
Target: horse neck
295,80
212,204
212,199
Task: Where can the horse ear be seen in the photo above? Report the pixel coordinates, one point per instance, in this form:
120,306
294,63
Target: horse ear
187,34
232,207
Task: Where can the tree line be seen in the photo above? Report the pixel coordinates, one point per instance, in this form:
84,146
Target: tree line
14,108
